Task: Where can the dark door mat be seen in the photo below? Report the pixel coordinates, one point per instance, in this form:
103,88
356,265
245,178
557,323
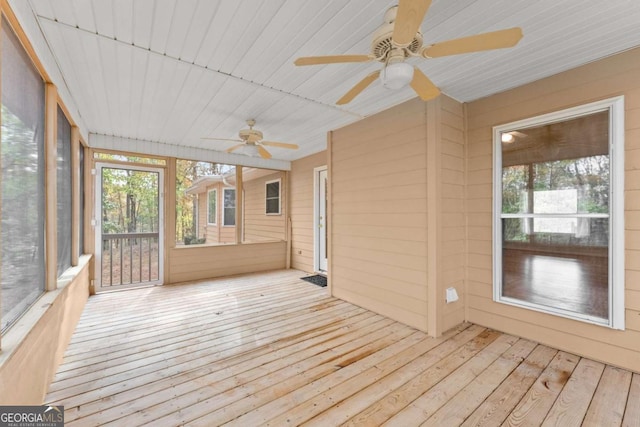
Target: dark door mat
318,279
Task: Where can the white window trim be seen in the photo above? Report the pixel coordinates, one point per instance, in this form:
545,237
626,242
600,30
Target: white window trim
279,181
224,190
215,219
615,106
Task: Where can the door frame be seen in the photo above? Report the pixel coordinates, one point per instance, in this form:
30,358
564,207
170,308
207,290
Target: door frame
97,221
316,220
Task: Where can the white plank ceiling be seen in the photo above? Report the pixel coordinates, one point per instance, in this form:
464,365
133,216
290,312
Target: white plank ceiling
174,71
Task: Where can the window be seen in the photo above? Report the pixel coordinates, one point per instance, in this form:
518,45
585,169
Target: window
212,200
558,223
229,214
22,156
272,200
81,202
63,177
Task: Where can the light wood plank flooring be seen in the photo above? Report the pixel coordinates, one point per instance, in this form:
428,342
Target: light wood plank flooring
271,349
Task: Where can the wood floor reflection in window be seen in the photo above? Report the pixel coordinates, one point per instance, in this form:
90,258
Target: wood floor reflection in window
576,283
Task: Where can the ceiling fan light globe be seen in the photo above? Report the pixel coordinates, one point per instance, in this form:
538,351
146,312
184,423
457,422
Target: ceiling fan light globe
249,150
397,75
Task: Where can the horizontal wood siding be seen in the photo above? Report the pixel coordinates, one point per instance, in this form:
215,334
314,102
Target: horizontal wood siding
451,203
379,213
204,262
614,76
28,367
215,233
302,196
258,226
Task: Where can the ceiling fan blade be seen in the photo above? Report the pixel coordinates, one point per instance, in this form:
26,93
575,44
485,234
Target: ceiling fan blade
332,59
235,147
359,87
408,19
424,87
279,144
223,139
487,41
263,153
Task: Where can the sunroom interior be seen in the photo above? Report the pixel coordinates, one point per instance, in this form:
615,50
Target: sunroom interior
507,208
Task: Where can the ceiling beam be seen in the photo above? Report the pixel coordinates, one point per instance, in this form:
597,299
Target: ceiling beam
153,148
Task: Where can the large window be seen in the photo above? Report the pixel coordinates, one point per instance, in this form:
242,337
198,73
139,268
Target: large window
22,153
229,202
558,214
63,177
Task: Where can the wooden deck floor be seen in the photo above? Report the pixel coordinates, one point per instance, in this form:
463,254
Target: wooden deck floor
272,349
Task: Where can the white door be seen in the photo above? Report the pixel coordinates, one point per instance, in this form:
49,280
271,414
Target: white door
321,233
129,226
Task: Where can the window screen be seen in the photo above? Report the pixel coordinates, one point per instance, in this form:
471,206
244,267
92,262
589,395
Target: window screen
81,217
22,152
63,178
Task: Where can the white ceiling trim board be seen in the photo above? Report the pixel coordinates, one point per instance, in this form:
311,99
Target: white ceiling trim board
152,148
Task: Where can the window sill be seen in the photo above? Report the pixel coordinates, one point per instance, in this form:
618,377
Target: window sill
16,334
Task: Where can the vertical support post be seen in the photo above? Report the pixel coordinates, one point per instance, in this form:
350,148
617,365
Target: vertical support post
239,198
287,217
89,215
75,195
329,213
51,190
435,295
169,217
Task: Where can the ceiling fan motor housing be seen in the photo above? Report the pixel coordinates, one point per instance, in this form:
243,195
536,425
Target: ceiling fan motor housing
250,135
381,44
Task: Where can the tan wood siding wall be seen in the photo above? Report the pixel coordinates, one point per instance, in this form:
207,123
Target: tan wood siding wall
397,200
258,226
302,195
617,75
215,233
379,213
451,203
26,371
205,262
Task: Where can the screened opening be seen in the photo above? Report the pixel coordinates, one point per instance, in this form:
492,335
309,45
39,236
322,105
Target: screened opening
199,201
64,191
22,153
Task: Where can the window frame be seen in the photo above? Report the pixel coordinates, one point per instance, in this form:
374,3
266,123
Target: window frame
215,197
224,206
616,280
267,198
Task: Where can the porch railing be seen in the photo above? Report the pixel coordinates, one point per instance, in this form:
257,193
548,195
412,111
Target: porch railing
129,258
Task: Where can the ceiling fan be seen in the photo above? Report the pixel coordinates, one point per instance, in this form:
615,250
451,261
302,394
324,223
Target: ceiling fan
251,139
398,38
